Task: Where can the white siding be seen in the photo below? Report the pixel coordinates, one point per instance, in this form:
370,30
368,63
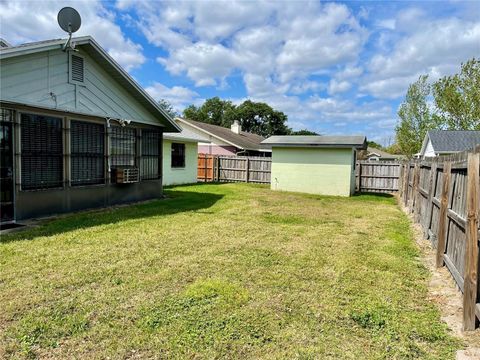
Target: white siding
32,79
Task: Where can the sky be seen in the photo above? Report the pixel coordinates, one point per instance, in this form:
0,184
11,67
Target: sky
332,67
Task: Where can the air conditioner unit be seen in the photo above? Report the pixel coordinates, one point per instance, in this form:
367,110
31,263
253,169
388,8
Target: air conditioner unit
125,175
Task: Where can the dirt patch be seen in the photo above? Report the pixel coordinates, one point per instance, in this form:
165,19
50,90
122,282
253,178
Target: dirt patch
444,291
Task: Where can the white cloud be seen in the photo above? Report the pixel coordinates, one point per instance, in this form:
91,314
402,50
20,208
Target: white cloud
21,22
207,41
336,87
437,48
178,96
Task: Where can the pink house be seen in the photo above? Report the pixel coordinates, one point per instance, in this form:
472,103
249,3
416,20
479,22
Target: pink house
226,141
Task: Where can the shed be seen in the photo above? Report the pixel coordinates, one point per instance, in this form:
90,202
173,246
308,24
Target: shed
180,156
315,164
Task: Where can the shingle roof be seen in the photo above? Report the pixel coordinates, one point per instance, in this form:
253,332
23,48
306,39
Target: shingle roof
453,140
318,141
184,135
244,140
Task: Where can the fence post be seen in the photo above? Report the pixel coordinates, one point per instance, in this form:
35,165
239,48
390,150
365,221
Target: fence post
413,202
471,249
247,175
406,171
359,176
431,194
206,168
442,223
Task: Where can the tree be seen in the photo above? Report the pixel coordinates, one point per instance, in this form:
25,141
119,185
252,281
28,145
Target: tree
255,117
457,98
374,145
213,111
261,119
415,117
304,132
168,108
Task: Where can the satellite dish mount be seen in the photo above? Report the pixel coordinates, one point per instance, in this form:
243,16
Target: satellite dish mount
69,20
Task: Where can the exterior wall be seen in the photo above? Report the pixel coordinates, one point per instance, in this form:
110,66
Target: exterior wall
48,202
186,175
429,150
313,170
42,79
213,149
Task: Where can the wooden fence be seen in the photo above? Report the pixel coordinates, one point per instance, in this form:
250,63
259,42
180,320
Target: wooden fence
234,169
443,195
377,176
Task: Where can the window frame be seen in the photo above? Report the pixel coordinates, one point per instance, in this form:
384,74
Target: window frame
22,155
183,164
102,181
156,133
113,137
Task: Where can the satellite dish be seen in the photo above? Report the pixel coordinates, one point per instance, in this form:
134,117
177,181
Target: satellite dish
69,19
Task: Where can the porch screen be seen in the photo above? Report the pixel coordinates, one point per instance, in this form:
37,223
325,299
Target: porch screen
41,152
123,146
151,154
87,153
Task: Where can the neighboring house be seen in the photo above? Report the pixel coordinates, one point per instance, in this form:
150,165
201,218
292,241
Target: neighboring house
225,141
77,131
373,154
315,164
180,157
444,142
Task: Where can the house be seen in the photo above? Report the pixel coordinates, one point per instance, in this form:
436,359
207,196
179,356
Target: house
180,157
315,164
374,154
225,141
444,142
77,131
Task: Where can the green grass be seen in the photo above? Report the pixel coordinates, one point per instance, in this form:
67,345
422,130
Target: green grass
221,271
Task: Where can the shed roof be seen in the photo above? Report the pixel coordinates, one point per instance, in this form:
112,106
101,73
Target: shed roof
453,140
359,142
244,140
93,49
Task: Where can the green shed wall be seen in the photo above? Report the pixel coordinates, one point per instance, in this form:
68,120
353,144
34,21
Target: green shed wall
313,170
186,175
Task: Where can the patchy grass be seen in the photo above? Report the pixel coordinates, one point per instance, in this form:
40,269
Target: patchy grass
217,271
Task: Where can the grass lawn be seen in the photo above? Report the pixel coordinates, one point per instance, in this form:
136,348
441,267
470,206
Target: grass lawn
221,271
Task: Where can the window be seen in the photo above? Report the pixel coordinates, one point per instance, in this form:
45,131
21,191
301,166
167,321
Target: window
77,69
87,153
151,154
122,146
178,155
42,152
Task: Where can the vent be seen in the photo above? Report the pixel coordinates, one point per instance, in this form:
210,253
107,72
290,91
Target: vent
77,68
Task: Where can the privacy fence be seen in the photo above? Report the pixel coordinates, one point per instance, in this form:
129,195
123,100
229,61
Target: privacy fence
377,176
220,168
443,195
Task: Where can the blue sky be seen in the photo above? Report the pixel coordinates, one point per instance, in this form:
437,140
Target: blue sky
332,67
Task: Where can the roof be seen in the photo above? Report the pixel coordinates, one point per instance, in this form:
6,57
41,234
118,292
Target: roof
185,135
244,140
381,153
92,48
447,141
359,142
